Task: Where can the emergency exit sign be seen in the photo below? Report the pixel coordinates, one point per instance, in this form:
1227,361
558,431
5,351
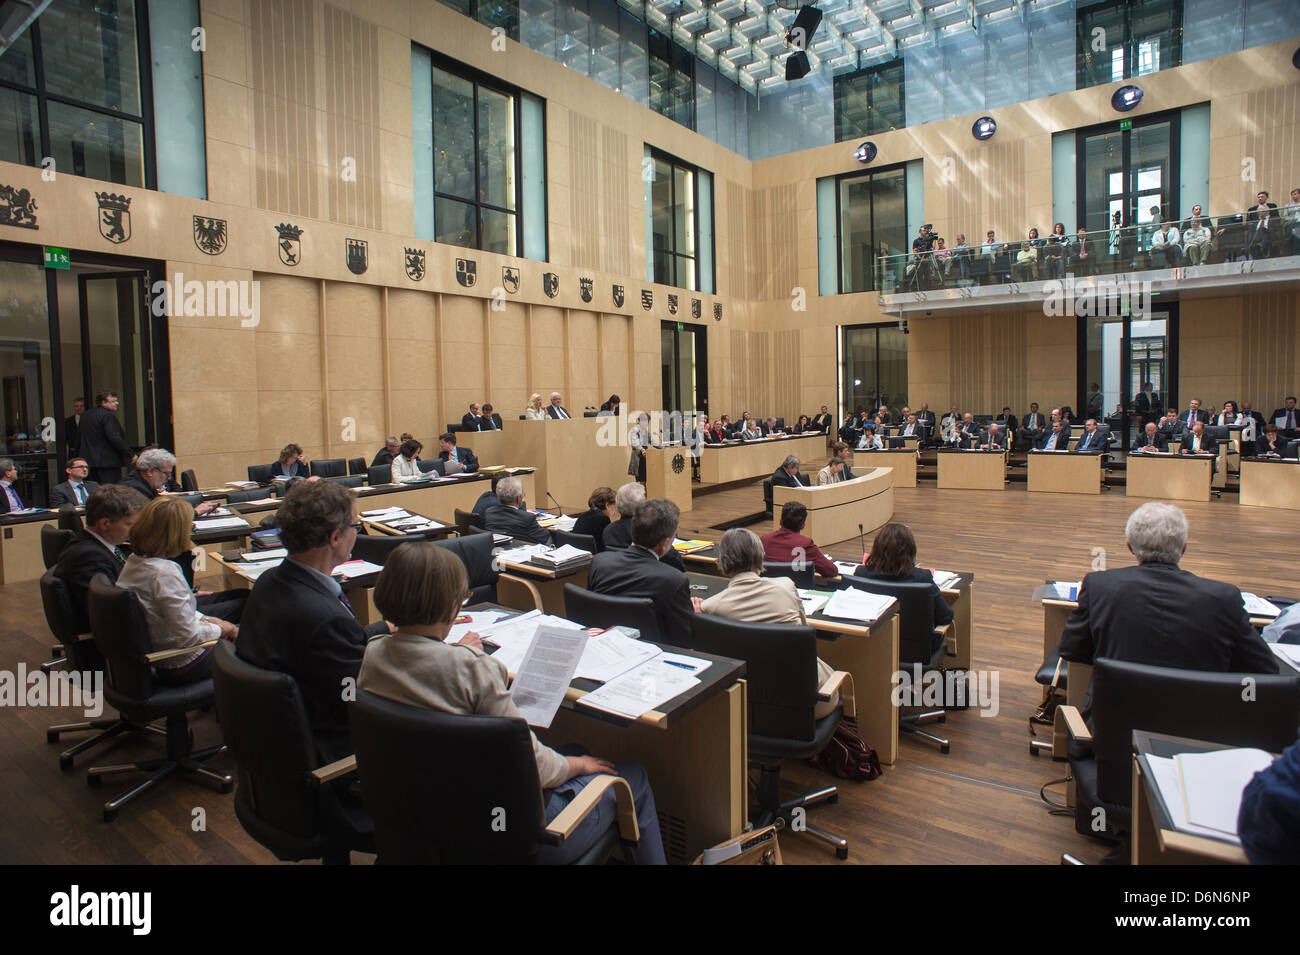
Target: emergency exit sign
56,258
1126,124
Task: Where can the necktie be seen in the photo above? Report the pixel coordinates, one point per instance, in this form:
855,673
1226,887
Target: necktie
81,493
1196,444
343,599
119,554
15,502
1191,417
1290,420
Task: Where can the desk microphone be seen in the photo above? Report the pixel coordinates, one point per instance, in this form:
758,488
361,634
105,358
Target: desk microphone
556,503
863,542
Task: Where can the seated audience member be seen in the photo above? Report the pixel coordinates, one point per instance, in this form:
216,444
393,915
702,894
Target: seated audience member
893,557
804,424
510,515
599,514
1158,614
464,457
159,535
1054,252
153,468
1166,248
1268,821
721,429
704,434
948,427
833,473
1007,420
610,408
472,420
98,548
1196,241
1197,441
1058,439
534,411
491,421
869,440
842,451
1272,444
298,620
1287,418
488,497
822,420
752,431
1031,427
787,475
619,534
912,428
968,431
742,424
386,454
770,427
1081,258
1170,424
1151,441
556,408
639,571
1193,414
788,544
292,463
420,591
76,490
1228,415
406,466
1093,441
942,257
1025,268
752,598
994,439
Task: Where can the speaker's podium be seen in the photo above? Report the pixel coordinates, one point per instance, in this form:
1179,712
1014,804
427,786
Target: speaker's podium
571,457
668,474
835,511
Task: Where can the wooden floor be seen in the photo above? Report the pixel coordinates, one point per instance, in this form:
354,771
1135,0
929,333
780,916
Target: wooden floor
979,804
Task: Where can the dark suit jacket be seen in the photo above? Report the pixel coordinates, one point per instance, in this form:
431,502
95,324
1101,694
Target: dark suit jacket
485,500
592,522
636,572
135,481
926,418
1035,421
1281,413
781,479
772,430
466,457
1208,444
1201,415
382,457
80,561
1008,423
619,535
517,523
1100,442
297,469
1062,443
822,421
102,440
1263,446
1160,615
552,413
72,430
4,500
471,422
292,624
1142,404
998,443
942,612
1160,441
63,493
490,422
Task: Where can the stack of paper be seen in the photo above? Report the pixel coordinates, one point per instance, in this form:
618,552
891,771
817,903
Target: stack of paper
1289,654
386,513
641,689
846,568
944,578
690,546
1212,784
271,553
513,637
611,654
561,555
1064,590
212,524
854,604
473,623
813,600
520,555
1258,606
252,571
555,521
544,675
356,568
242,485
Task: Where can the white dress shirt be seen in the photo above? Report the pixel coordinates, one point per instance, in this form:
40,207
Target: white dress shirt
169,606
404,469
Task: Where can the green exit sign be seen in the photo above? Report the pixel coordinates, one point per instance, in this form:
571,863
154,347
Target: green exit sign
681,326
1126,124
56,258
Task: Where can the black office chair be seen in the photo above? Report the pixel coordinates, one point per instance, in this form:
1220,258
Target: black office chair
349,480
601,610
70,520
465,520
329,467
475,552
281,800
376,547
53,541
431,464
256,494
916,632
767,497
188,481
356,465
122,638
379,474
1195,704
420,810
781,673
802,574
261,473
581,541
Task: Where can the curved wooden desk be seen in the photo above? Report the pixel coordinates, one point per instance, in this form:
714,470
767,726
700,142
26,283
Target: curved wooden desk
836,510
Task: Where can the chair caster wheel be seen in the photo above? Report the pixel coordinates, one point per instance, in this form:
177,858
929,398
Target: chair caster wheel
65,763
841,853
110,815
226,788
51,736
831,800
94,782
1033,750
944,748
943,718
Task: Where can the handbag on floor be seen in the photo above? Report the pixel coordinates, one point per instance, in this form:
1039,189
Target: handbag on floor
848,755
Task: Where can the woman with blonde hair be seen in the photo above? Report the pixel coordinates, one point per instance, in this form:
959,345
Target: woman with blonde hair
535,411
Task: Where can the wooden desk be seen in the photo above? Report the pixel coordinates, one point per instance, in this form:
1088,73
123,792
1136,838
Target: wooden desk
744,461
1155,841
901,460
549,584
1064,473
360,590
1270,482
668,475
490,447
1169,477
439,499
20,546
960,596
972,470
835,511
572,457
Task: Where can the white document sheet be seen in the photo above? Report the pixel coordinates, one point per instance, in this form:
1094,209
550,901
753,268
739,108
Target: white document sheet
513,637
641,689
253,571
944,578
1213,782
386,513
1164,773
854,604
520,555
611,654
478,621
812,601
561,554
1258,606
548,667
220,522
356,568
1060,590
272,554
1290,654
845,568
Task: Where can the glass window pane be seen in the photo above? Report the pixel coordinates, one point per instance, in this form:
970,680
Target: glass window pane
497,231
453,135
17,64
496,148
20,138
1149,179
683,211
90,54
1100,36
455,223
500,13
91,144
869,101
26,380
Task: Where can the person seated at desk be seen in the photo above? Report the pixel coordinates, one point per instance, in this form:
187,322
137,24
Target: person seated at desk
1058,439
619,533
488,498
706,433
842,451
298,620
787,544
535,411
1197,441
833,473
10,501
770,427
1170,425
462,458
1159,614
600,513
787,475
491,421
472,420
968,434
804,424
153,467
1093,441
386,454
511,516
406,466
893,557
420,590
292,463
1152,441
1007,420
994,439
912,428
870,441
822,420
1287,418
752,598
610,408
1268,821
1272,444
159,535
556,408
752,431
111,509
639,570
76,490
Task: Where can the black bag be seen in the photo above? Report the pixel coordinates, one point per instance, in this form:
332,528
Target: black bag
848,755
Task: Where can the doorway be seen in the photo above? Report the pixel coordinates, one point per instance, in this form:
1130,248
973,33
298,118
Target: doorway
1129,167
1118,356
685,369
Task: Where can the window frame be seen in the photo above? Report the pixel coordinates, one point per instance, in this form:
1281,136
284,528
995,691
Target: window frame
657,154
838,97
677,56
1124,9
839,219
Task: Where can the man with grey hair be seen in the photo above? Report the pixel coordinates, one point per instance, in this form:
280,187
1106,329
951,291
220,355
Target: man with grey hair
1159,614
511,515
555,409
787,475
619,534
384,456
153,468
10,502
638,571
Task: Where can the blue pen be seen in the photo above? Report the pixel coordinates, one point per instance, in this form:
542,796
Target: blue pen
684,666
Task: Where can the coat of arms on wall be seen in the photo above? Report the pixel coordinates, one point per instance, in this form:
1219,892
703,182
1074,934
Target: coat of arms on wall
114,217
672,304
695,308
585,289
415,264
289,244
647,299
618,296
210,235
551,284
466,272
17,208
510,279
358,255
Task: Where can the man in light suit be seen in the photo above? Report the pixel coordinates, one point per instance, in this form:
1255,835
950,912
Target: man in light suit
462,456
1093,441
1193,414
76,489
472,420
555,409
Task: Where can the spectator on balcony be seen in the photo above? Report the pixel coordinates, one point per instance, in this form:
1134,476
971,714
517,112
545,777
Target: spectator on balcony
1054,252
1025,268
1291,219
1196,239
1166,249
1118,242
942,258
990,247
1197,217
1081,258
1035,241
962,254
1263,227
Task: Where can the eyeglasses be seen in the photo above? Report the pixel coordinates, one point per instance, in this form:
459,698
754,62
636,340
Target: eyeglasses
78,467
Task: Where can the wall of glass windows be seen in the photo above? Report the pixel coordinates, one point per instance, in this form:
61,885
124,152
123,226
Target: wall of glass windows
1120,39
869,101
679,223
873,369
867,216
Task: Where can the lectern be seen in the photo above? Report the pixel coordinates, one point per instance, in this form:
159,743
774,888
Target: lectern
668,475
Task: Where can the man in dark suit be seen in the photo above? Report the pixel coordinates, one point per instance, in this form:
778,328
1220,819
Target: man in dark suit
1032,426
912,428
490,421
822,420
1058,439
994,439
1287,418
511,516
1093,441
770,427
153,467
99,547
844,452
1193,414
488,498
76,489
555,409
473,419
1147,401
1151,441
1170,425
462,456
787,475
926,419
102,442
10,501
384,456
1159,614
72,425
298,620
637,571
1007,420
1197,441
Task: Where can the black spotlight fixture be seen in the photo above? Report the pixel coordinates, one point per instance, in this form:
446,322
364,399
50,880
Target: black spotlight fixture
866,152
1126,98
796,65
984,128
1295,58
805,24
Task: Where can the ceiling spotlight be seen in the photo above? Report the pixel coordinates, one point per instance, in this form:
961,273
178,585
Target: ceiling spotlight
1295,58
804,26
796,65
984,128
866,152
1126,98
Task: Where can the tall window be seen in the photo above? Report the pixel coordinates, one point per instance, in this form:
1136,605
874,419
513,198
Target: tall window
1120,39
871,214
672,80
869,101
679,224
75,87
873,368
